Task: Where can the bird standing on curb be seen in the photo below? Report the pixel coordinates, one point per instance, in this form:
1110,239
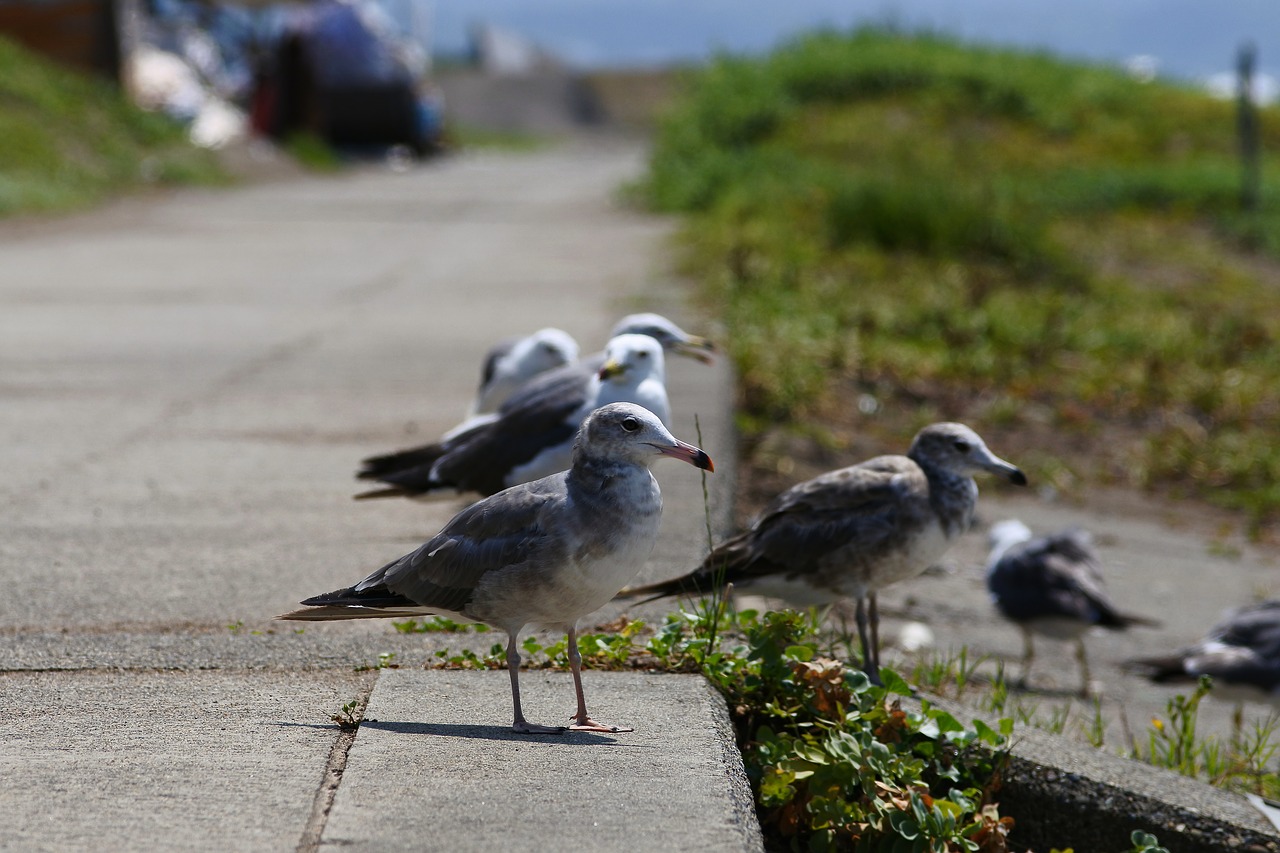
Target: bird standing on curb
542,553
848,533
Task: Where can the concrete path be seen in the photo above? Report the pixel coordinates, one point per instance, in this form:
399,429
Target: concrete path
188,385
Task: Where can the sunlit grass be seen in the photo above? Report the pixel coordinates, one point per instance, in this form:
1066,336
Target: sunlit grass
68,140
951,226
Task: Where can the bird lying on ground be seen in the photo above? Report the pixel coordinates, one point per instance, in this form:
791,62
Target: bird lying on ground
527,441
542,553
511,363
574,379
848,533
1241,654
1051,585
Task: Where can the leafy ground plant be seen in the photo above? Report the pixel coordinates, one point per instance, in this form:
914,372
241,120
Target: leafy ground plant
835,760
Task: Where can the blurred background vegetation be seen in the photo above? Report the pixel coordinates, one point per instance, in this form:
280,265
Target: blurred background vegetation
68,140
899,229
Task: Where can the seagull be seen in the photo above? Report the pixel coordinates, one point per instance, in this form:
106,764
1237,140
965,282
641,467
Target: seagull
1241,653
528,441
542,396
847,533
1052,586
512,362
542,553
672,337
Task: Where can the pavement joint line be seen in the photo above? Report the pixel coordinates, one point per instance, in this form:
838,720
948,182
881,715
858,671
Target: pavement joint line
335,765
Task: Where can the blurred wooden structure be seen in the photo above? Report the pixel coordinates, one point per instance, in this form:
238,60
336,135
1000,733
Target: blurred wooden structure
83,34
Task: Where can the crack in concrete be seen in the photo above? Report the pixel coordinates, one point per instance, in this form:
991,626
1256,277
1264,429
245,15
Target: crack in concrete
335,766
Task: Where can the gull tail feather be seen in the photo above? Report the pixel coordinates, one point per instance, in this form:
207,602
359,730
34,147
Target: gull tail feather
377,467
333,612
1162,669
1131,620
388,492
687,585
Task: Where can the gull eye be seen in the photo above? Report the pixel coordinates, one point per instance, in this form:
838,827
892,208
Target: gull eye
961,445
642,354
630,424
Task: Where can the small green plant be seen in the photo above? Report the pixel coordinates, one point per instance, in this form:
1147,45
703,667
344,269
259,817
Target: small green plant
1145,842
438,625
837,761
235,627
349,716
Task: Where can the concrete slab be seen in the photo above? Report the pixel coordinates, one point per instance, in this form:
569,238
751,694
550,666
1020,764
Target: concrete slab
144,760
437,765
189,384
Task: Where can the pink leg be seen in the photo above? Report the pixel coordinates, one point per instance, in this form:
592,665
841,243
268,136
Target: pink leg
520,724
582,721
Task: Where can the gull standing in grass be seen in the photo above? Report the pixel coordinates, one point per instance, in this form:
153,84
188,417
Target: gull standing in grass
1051,585
848,533
543,553
530,440
1241,654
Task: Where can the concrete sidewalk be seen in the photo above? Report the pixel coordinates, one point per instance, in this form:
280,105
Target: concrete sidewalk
189,384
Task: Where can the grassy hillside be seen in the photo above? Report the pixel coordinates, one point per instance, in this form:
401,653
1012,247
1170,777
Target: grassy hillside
67,140
904,229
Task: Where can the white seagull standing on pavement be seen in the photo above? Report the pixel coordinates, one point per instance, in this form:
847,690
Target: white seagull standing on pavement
544,553
848,533
1051,585
527,441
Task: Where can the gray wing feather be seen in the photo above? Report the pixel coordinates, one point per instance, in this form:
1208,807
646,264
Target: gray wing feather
866,504
505,531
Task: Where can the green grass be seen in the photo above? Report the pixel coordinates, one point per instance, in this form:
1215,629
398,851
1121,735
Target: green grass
67,140
991,236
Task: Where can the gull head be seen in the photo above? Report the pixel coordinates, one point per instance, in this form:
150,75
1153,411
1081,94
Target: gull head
1003,535
633,433
959,450
667,333
551,348
630,359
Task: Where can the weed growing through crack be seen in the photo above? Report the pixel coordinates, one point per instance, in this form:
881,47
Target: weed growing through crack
348,716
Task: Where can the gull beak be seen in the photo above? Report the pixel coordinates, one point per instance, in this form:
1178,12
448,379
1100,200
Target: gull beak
1000,468
695,456
701,349
611,369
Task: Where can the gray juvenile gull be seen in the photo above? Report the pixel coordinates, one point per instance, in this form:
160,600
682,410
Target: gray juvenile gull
543,553
847,533
530,440
1051,585
511,363
1241,653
